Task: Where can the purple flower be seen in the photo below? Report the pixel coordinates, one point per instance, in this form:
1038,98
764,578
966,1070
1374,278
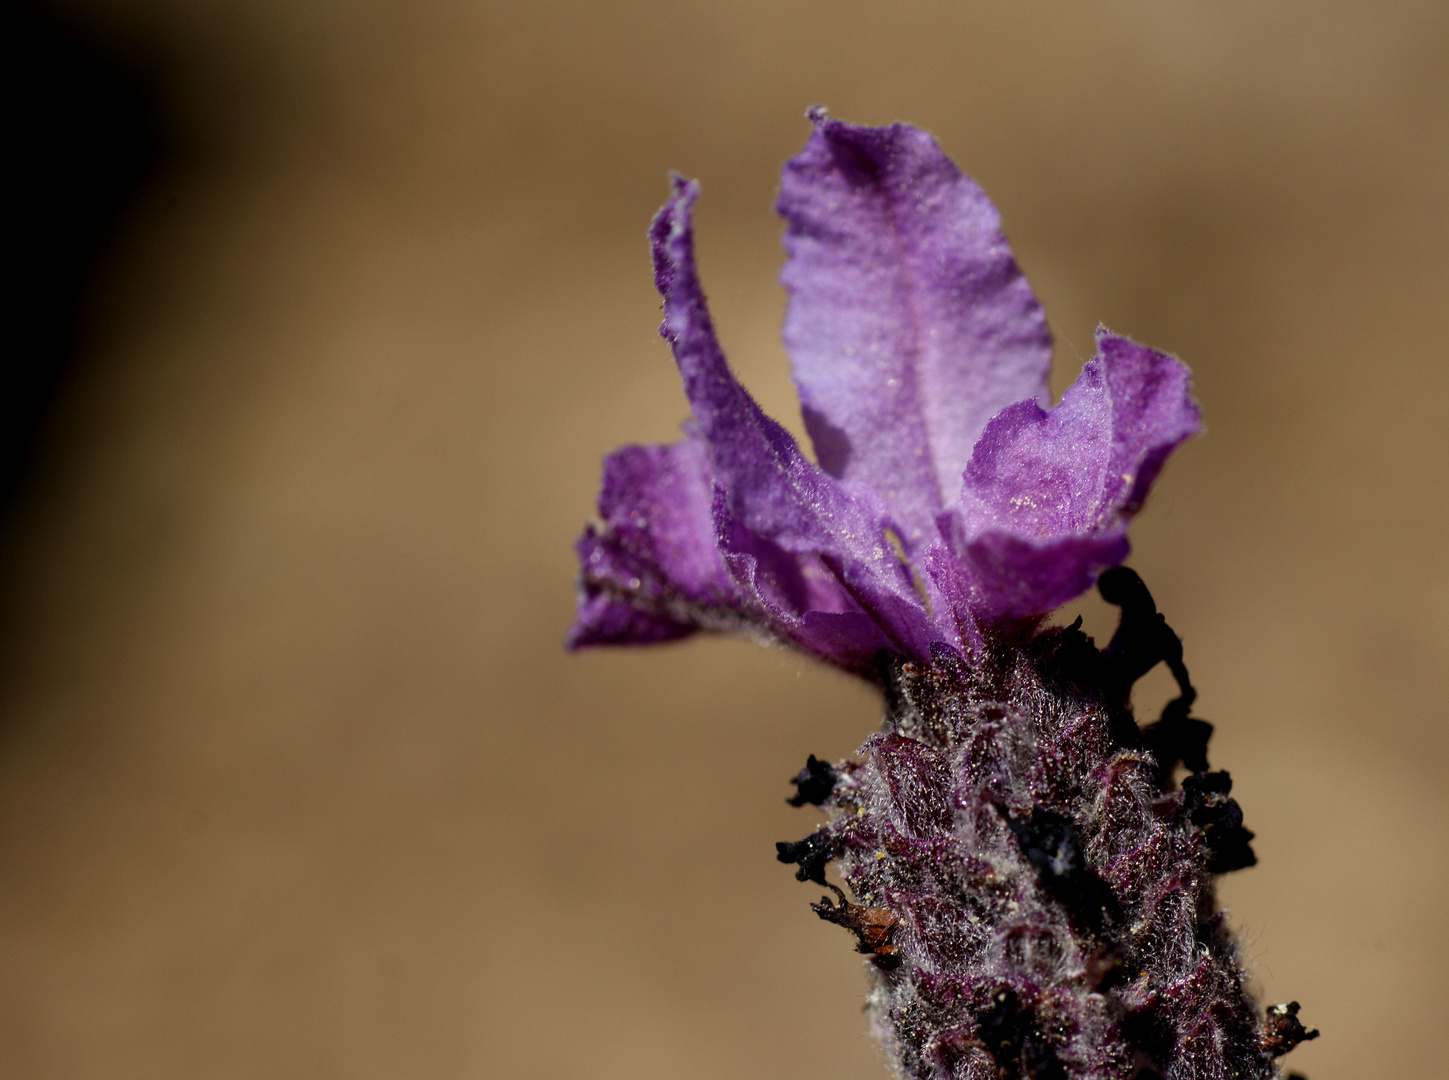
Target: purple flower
947,499
1032,887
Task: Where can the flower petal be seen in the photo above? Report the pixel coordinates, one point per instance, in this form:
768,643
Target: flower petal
952,591
653,572
910,324
804,601
604,619
770,488
1017,578
1047,494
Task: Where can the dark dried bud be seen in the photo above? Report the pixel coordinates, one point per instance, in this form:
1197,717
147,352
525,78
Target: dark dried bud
1178,737
874,928
811,854
814,783
1143,639
1282,1030
1206,804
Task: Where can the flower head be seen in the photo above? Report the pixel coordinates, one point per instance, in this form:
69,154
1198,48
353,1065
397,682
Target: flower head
1033,888
947,499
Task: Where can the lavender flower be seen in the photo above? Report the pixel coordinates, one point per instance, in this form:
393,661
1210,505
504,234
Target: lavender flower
1033,889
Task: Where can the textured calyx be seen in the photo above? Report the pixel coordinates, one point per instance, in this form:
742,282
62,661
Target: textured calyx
1042,889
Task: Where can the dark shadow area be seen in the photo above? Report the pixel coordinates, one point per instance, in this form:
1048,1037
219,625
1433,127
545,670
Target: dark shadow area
85,132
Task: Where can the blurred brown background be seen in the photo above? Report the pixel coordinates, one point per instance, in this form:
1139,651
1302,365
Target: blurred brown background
295,779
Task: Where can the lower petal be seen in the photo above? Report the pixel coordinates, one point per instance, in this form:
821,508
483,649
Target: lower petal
1018,578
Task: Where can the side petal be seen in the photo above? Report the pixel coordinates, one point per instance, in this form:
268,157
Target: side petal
1154,414
952,590
604,619
910,324
1017,578
653,572
772,490
1047,495
801,598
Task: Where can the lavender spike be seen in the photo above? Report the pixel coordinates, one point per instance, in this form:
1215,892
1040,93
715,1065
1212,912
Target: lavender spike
1033,889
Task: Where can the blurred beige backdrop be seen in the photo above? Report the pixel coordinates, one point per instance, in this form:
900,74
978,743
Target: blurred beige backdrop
295,779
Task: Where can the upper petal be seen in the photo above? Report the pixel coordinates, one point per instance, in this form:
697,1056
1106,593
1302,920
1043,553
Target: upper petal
909,324
771,489
1046,497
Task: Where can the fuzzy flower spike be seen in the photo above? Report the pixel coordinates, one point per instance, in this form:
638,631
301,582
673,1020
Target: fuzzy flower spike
1032,887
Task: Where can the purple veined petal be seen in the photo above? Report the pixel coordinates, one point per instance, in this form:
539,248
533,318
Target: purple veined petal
1155,414
788,584
951,591
771,489
1047,495
910,324
653,572
803,601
